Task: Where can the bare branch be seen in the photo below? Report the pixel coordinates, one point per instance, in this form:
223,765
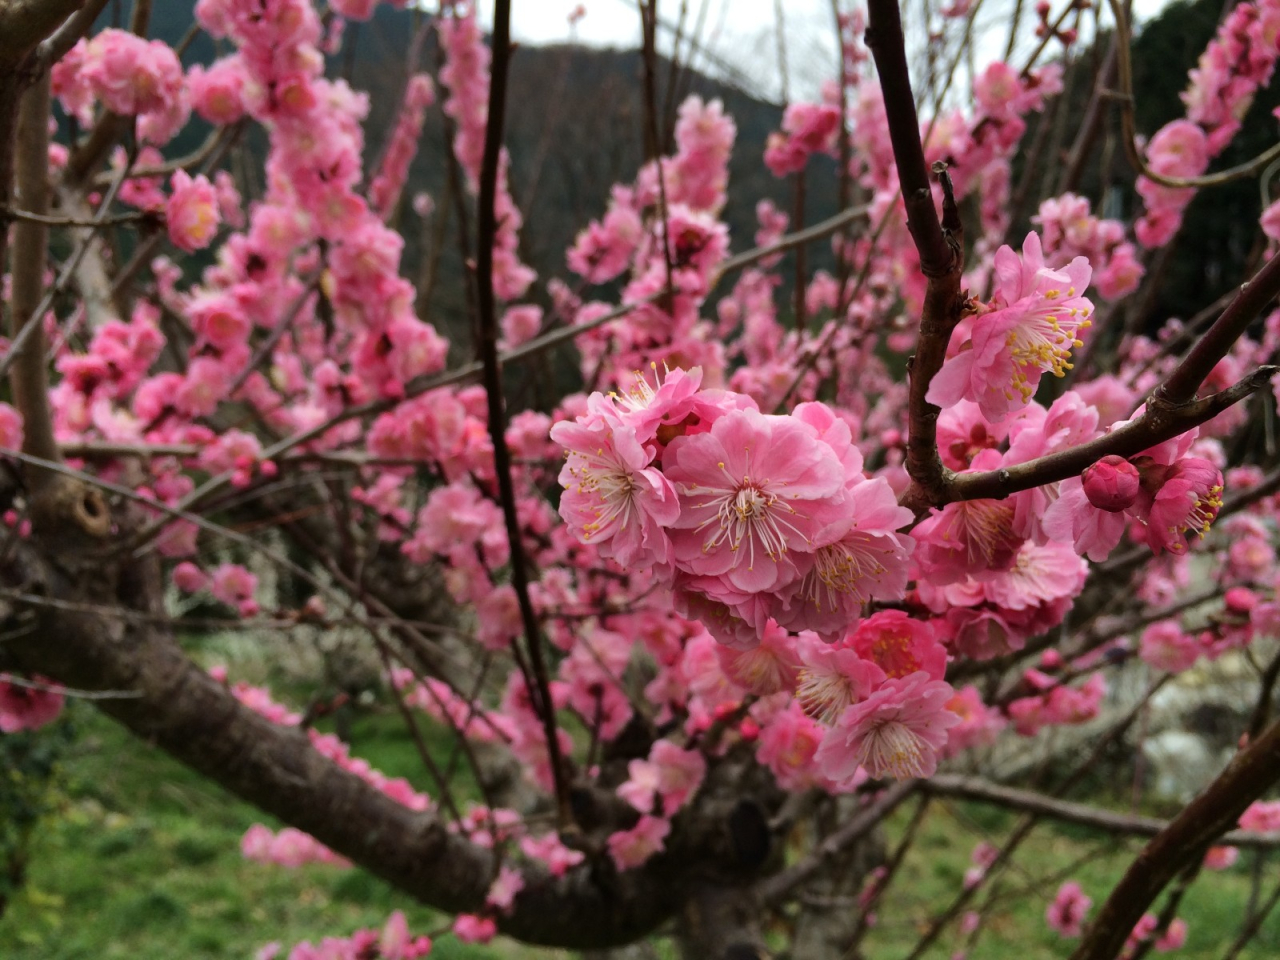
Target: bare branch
1107,821
1185,840
24,23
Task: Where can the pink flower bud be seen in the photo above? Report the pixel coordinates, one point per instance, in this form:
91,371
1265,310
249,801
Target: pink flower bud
1111,484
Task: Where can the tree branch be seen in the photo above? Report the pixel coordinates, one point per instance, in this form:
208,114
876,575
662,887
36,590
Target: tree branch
940,244
28,374
1108,821
488,230
1183,841
24,23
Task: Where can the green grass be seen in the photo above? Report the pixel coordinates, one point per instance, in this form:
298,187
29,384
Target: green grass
1015,929
142,862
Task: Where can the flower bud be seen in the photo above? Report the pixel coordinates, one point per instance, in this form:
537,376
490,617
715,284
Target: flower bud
1111,484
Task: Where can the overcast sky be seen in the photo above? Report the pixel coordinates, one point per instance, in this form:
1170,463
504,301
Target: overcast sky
739,35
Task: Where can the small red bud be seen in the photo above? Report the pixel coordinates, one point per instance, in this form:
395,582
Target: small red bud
1111,484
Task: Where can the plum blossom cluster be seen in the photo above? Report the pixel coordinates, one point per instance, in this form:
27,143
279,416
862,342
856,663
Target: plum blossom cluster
753,517
1069,229
1238,62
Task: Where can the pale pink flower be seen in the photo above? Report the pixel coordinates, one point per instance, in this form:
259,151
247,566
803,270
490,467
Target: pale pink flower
770,667
235,586
550,850
1166,646
899,730
469,928
832,679
752,489
631,848
613,499
502,892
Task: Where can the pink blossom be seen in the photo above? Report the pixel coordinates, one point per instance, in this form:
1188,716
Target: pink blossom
833,679
1111,483
1187,501
771,667
631,848
1067,912
1261,816
1165,646
550,850
612,498
27,704
189,578
217,91
502,892
899,730
1029,329
787,745
899,645
192,213
469,928
235,586
1221,857
752,489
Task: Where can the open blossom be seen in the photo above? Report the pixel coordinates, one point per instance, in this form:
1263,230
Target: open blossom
192,212
1187,501
899,645
899,731
1067,912
612,498
1166,646
752,489
1030,329
631,848
832,679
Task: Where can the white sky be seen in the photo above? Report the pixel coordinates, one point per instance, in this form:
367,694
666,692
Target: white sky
741,34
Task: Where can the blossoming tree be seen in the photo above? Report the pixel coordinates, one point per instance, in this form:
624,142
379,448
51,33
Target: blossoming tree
773,572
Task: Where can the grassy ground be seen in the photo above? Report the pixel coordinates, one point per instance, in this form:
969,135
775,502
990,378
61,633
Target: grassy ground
142,862
932,874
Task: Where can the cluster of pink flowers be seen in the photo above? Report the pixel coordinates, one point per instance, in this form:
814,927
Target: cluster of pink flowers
392,942
754,517
633,234
1166,493
1237,63
129,76
807,128
466,75
1069,230
385,188
1172,938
